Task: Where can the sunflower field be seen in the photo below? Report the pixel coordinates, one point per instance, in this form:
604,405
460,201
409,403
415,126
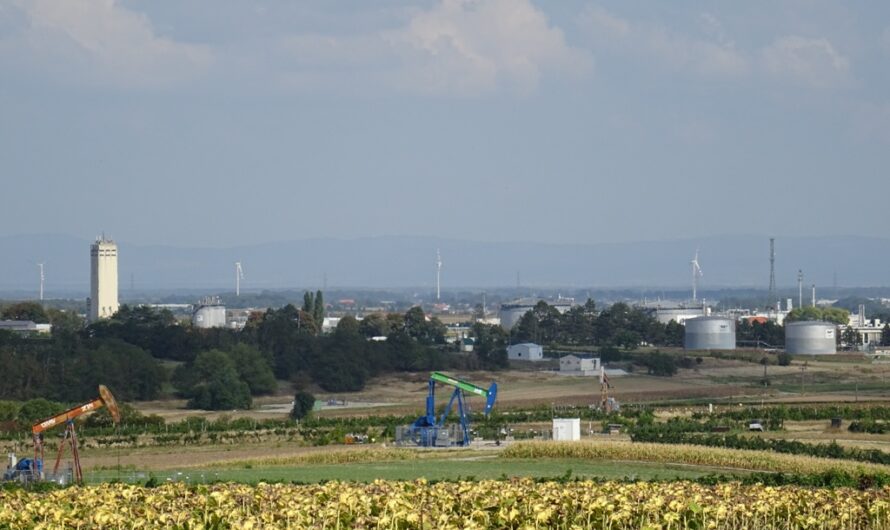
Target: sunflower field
519,503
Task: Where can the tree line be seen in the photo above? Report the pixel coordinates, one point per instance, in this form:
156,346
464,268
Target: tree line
140,349
618,326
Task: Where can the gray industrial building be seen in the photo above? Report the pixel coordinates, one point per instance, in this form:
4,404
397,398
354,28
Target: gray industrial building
511,312
811,337
709,333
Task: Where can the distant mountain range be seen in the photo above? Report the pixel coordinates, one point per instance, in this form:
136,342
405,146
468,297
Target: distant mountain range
730,261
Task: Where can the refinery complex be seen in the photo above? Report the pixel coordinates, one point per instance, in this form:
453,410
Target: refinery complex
707,324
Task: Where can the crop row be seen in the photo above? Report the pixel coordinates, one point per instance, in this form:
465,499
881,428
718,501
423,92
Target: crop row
448,505
718,457
822,450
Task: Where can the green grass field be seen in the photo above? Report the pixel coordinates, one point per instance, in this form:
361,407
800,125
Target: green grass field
432,469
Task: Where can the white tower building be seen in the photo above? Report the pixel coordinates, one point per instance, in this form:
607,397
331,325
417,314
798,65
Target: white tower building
103,279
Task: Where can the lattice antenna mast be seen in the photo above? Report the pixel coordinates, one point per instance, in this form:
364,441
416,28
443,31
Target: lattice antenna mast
42,279
239,275
772,273
696,274
438,275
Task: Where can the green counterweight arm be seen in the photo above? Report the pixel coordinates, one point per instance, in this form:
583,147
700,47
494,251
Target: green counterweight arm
489,394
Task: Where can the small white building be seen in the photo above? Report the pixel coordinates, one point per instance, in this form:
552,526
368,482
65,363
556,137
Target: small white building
567,429
329,324
526,351
25,326
580,364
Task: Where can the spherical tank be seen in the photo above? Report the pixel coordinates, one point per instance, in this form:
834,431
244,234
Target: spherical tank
813,338
709,333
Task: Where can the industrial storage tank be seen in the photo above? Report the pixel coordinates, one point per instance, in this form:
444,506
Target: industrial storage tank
709,333
811,337
209,313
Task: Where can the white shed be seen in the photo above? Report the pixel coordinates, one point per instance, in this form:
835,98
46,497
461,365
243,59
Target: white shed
526,351
567,429
579,364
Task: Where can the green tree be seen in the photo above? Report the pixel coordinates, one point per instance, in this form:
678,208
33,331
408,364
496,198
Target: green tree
421,330
9,410
578,324
64,321
38,409
348,328
674,333
829,314
308,303
253,369
660,364
851,338
491,346
304,402
318,310
26,311
374,325
215,384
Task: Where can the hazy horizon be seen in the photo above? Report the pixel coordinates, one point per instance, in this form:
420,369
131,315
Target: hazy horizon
401,262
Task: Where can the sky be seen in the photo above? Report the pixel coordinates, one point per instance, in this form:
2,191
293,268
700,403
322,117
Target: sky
228,122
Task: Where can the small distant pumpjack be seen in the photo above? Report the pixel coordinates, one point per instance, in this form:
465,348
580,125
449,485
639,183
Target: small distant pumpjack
105,399
607,403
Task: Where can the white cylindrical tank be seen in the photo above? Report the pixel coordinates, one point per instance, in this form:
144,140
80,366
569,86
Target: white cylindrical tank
209,316
709,333
811,337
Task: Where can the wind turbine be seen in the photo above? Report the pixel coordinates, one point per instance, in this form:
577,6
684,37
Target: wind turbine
438,275
696,274
239,275
42,279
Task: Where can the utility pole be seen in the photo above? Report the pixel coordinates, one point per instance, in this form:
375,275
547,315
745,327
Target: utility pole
800,288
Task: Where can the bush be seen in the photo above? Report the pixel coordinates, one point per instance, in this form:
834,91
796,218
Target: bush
9,410
784,359
304,402
660,364
38,409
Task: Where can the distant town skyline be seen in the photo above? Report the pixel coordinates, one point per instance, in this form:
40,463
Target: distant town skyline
222,123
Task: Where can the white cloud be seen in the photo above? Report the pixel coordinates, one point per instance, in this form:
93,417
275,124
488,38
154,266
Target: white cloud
717,56
99,42
458,47
812,61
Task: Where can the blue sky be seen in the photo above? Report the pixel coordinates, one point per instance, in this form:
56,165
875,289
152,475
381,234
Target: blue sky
229,122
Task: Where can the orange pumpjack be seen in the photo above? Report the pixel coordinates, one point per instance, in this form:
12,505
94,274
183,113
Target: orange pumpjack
105,399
